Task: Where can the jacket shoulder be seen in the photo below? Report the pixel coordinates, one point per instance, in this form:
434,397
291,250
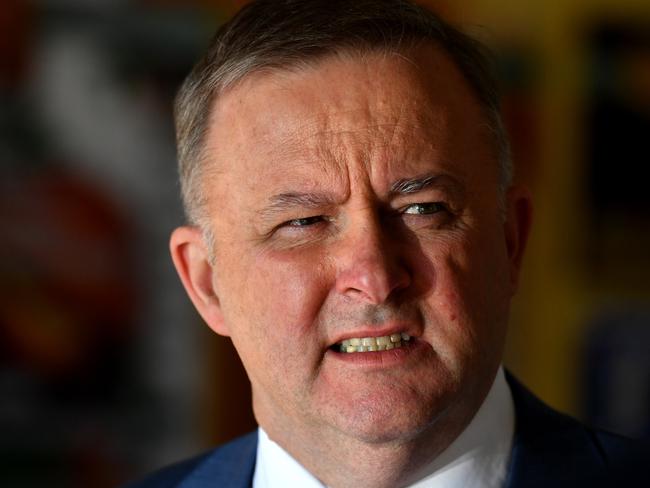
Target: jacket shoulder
229,465
553,449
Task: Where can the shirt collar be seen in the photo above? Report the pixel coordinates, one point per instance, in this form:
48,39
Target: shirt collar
276,468
478,457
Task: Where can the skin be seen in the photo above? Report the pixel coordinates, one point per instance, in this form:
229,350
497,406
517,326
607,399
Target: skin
315,243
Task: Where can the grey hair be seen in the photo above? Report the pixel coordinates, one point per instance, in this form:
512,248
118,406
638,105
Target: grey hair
289,34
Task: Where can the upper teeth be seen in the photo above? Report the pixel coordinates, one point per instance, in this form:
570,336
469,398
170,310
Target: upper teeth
367,344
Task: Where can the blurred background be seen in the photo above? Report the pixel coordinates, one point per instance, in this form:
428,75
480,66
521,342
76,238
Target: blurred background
105,370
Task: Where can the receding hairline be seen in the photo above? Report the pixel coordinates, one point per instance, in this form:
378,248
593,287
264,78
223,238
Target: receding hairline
414,54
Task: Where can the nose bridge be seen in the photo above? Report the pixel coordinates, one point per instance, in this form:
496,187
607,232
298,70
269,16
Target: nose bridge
370,267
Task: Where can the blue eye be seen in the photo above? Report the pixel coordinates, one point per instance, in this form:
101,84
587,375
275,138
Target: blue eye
424,208
305,222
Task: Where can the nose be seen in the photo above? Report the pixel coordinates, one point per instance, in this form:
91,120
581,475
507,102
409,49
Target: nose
370,268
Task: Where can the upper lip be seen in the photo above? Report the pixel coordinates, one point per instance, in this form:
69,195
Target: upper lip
372,332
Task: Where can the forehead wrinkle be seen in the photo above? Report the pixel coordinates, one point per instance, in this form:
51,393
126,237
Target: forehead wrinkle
370,113
311,164
365,151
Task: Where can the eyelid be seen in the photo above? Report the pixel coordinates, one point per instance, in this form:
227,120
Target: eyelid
314,219
440,207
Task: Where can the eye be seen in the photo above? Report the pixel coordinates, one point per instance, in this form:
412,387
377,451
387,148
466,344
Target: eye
426,208
304,221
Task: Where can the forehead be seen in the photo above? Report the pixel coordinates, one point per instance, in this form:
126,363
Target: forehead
393,112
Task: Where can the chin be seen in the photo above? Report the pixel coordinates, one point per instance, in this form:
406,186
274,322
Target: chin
397,415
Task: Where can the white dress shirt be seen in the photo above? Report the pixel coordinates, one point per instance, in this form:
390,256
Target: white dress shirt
478,458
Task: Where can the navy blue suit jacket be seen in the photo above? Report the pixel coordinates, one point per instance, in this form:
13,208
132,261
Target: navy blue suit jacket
549,450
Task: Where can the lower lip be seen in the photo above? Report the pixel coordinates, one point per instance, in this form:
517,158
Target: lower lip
381,358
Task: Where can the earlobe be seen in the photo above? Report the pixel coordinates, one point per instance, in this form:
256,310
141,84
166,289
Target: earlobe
191,259
517,228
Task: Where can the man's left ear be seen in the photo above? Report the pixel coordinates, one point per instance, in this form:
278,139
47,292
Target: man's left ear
519,216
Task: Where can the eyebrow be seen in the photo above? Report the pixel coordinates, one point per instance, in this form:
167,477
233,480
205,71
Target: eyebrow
407,186
284,201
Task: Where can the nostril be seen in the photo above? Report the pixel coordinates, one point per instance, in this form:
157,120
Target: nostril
373,284
370,269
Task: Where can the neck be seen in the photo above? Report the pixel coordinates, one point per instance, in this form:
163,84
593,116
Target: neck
340,460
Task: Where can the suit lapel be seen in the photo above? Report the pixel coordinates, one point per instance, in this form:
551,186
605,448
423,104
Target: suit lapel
549,448
231,466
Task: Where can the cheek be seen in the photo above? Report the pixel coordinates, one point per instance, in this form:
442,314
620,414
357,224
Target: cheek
465,304
294,290
274,297
274,328
451,315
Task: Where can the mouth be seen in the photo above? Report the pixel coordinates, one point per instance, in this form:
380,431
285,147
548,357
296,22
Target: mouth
372,344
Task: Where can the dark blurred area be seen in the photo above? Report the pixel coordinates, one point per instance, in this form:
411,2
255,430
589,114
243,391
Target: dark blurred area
105,369
102,368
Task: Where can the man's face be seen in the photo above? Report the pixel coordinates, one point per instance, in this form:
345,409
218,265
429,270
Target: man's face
359,199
